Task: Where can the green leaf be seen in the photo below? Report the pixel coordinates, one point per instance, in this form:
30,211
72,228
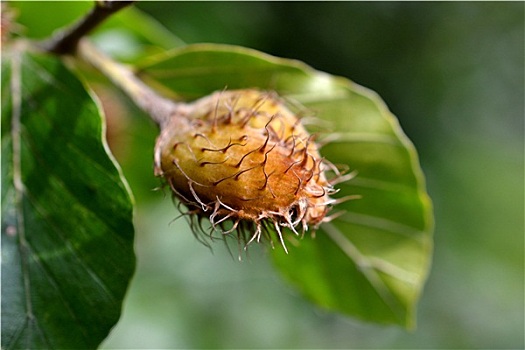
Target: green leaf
67,231
39,19
372,261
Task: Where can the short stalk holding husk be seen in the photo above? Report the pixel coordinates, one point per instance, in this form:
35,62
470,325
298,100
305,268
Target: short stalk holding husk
158,108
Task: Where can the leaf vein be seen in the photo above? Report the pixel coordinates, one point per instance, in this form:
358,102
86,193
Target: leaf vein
388,186
382,224
51,171
53,282
366,267
61,234
366,137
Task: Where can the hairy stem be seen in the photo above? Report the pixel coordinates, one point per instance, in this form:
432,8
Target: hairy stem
159,108
65,41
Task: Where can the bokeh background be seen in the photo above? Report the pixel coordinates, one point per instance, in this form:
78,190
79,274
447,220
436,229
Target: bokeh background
453,73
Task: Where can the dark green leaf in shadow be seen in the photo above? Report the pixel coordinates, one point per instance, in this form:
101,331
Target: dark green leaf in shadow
67,231
372,261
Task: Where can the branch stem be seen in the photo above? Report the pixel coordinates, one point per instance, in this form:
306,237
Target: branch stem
65,41
159,108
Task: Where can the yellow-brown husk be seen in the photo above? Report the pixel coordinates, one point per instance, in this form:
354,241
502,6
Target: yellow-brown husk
242,156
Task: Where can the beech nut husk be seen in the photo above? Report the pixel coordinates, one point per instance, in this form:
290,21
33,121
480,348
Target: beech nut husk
244,160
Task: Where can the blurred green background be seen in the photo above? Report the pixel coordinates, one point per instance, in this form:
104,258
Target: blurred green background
453,73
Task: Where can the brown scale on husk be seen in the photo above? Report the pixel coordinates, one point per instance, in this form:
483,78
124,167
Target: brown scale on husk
243,160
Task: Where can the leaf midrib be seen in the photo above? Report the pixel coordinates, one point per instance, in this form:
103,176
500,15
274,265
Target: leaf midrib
23,245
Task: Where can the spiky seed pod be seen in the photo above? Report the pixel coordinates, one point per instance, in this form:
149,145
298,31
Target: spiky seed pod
242,156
